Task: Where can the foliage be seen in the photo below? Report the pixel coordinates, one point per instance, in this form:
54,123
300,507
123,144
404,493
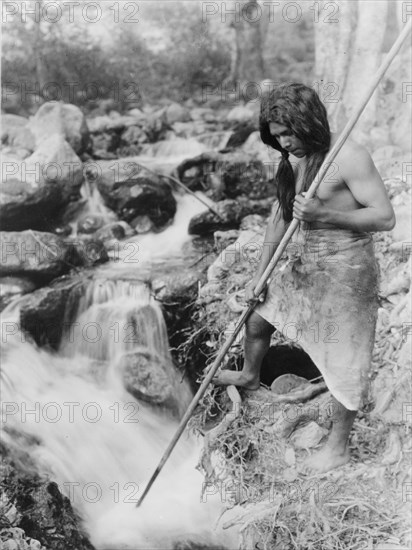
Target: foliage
125,69
170,53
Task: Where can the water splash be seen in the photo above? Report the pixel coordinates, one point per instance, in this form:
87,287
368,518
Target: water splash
147,249
101,446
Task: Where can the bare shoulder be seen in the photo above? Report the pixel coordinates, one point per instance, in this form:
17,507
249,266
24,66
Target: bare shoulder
354,157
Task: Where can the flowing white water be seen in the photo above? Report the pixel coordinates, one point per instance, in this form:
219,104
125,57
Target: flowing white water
178,148
99,444
84,430
152,247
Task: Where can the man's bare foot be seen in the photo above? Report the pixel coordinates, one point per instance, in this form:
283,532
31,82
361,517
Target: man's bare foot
328,458
236,378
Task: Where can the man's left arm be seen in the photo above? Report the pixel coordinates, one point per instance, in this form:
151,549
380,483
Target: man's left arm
363,180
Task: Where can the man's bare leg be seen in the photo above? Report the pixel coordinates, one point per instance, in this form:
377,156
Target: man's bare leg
256,344
336,450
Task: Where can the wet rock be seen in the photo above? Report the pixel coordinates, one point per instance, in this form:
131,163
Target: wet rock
63,230
113,232
42,314
59,164
35,189
146,377
231,214
39,255
44,516
227,175
140,194
90,224
308,436
176,287
64,119
89,250
142,224
23,207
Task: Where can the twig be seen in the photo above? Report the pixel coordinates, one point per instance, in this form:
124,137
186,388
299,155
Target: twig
175,180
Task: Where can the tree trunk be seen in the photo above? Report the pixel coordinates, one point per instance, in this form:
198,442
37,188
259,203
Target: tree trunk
247,63
332,59
41,70
365,60
348,54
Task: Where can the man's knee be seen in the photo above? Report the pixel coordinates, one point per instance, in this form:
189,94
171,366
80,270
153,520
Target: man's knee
257,327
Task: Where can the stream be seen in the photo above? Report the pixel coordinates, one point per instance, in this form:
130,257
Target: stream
84,431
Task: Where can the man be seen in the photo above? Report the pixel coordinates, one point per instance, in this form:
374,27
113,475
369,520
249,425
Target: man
328,288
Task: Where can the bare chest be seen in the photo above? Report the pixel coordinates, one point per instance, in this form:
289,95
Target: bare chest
331,188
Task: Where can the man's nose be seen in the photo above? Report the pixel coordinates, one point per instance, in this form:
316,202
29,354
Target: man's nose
284,142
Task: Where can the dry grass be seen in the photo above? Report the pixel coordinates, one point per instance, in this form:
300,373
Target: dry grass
355,507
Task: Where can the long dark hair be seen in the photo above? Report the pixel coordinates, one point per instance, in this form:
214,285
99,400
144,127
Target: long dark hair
300,109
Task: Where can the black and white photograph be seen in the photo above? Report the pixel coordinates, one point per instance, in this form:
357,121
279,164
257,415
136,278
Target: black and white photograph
205,276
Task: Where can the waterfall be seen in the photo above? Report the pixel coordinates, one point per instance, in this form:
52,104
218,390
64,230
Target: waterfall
86,432
120,327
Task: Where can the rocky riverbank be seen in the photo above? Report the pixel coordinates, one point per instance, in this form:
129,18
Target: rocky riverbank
76,189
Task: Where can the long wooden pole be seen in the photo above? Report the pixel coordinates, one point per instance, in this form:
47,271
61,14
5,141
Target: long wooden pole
279,251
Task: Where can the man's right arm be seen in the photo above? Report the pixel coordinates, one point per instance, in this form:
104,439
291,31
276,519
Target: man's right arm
275,230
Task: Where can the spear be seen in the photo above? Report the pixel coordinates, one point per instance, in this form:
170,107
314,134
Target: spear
279,251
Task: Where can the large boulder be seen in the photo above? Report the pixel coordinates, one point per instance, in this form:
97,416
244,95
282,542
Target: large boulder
64,119
226,176
147,378
135,193
22,207
177,113
44,310
34,189
15,132
39,255
231,212
59,164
